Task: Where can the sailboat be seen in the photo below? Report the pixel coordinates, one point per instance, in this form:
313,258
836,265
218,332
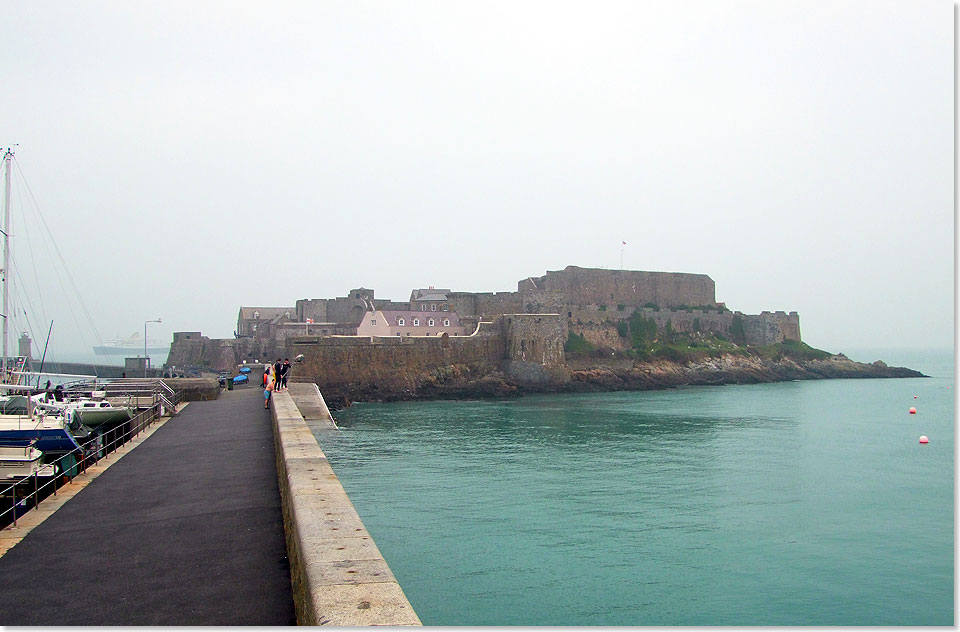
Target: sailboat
51,432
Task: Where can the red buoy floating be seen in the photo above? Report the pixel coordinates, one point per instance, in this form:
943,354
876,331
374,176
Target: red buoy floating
913,411
914,396
923,439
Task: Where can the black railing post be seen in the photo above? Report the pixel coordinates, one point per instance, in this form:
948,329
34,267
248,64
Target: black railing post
14,504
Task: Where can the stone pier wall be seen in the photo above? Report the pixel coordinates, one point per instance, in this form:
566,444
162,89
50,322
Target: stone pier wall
338,574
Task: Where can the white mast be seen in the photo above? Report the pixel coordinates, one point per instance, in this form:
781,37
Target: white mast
7,159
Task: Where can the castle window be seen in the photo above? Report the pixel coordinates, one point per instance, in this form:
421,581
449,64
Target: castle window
446,308
430,322
423,307
287,314
398,333
433,307
373,321
256,314
400,322
446,322
416,322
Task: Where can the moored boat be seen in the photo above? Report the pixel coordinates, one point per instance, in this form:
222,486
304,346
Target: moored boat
50,434
92,413
18,462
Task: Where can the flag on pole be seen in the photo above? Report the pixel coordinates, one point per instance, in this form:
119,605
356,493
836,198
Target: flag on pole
624,243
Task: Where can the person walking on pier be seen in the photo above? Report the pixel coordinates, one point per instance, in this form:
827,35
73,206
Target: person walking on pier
284,369
267,391
277,367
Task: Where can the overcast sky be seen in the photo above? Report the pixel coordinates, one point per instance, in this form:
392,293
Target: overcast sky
193,157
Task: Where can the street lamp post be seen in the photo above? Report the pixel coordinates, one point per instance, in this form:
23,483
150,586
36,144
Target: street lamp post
146,358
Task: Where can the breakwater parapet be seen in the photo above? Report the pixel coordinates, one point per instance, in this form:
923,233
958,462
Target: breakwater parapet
339,576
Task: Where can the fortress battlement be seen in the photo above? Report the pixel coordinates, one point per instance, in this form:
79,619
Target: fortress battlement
532,323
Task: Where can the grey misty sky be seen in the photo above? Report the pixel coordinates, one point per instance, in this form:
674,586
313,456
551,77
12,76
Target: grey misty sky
192,157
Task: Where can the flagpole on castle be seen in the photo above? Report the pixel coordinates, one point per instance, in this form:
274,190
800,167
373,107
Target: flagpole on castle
621,254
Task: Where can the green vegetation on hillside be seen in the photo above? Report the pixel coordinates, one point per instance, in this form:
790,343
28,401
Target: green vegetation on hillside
577,344
793,349
642,330
737,332
647,343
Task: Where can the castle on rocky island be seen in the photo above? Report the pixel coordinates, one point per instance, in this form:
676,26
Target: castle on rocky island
361,335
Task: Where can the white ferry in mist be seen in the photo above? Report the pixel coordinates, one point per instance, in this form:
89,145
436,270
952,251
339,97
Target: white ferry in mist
131,346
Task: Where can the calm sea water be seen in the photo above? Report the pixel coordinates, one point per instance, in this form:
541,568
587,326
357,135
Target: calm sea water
799,503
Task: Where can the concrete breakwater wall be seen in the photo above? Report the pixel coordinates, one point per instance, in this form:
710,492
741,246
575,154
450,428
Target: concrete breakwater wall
339,576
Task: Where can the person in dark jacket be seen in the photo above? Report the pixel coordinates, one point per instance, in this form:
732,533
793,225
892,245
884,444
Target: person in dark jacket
284,369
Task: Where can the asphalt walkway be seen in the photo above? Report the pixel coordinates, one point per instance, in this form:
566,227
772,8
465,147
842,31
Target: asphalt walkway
186,529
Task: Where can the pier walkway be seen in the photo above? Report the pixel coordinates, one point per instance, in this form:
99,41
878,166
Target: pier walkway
186,529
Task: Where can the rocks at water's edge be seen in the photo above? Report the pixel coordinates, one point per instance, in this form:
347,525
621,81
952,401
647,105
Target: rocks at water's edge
513,379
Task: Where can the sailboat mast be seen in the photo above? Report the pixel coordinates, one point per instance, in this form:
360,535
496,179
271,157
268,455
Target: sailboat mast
7,159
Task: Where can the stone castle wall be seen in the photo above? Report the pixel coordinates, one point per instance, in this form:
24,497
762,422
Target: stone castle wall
587,301
535,338
488,305
351,365
558,291
206,353
598,326
591,286
336,359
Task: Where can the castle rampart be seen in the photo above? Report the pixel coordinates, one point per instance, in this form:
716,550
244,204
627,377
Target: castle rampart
588,301
594,286
534,338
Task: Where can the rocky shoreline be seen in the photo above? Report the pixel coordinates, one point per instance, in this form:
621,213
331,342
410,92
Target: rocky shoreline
591,375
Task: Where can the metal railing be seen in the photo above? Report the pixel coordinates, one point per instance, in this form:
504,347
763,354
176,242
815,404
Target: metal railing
93,450
155,389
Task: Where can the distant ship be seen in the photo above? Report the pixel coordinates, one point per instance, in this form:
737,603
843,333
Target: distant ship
131,346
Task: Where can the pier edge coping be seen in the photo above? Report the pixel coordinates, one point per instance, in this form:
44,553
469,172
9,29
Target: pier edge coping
337,573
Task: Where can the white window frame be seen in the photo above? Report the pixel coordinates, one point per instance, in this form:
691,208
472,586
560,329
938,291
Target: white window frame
416,322
399,322
446,322
430,323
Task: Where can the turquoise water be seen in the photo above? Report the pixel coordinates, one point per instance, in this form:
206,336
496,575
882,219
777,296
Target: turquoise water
799,503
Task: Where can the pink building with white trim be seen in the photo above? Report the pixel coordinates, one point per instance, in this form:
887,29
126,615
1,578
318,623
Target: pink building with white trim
411,323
